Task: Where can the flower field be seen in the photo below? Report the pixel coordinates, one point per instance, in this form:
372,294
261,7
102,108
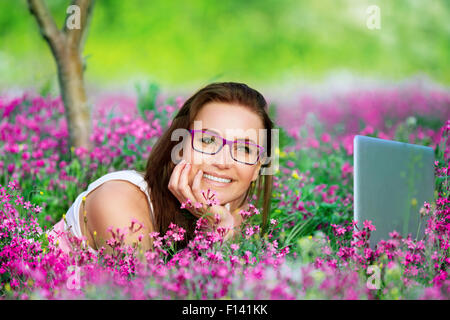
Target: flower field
311,250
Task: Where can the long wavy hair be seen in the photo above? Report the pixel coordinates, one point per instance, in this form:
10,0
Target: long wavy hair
166,207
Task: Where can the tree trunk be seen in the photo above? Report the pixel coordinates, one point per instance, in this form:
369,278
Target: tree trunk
66,46
78,115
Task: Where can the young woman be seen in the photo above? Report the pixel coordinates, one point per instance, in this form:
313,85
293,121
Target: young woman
218,152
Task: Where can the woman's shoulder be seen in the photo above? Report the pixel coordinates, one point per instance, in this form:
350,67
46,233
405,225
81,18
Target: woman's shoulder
119,198
122,190
116,204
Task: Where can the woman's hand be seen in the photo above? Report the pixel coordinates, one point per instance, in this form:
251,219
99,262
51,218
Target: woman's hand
178,185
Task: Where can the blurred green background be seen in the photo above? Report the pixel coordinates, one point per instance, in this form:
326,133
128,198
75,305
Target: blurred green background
255,41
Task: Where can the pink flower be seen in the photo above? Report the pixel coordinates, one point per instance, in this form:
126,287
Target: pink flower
249,231
198,205
11,168
37,209
81,152
186,204
254,209
13,185
394,234
346,169
244,214
326,250
27,205
325,137
210,196
339,229
368,225
313,143
367,130
318,262
153,234
234,246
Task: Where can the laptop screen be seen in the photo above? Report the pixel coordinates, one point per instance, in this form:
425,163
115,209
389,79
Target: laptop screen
391,182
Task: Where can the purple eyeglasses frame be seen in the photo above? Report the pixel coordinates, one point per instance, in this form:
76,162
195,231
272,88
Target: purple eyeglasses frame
225,142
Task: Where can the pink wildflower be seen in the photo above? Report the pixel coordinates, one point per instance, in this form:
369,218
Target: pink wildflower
368,225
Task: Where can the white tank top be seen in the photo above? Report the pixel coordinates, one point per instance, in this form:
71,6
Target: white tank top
72,215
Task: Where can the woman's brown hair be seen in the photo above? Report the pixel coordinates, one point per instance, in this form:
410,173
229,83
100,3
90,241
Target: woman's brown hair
160,166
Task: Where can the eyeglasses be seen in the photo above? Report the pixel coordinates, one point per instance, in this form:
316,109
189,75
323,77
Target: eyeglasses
210,143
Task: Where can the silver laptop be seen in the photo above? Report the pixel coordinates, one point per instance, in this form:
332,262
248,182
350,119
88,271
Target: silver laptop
391,182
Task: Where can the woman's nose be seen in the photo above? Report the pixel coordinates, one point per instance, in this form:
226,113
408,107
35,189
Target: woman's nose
223,157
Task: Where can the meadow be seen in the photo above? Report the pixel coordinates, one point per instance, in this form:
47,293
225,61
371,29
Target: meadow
311,249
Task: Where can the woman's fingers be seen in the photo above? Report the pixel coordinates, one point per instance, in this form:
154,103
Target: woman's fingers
179,186
197,192
175,177
183,187
183,182
174,182
196,185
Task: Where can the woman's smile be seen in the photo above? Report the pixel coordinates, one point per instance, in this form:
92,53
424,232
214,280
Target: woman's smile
216,181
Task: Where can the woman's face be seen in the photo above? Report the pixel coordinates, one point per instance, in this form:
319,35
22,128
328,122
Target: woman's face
232,122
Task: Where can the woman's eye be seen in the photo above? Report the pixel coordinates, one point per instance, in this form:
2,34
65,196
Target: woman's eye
207,140
244,148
